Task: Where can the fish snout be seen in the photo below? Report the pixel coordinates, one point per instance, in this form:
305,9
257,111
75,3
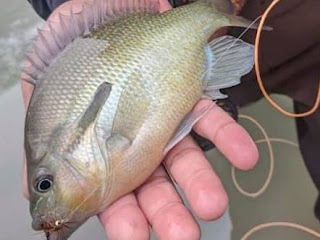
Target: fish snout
41,223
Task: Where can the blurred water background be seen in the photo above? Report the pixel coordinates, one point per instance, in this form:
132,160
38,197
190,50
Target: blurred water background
18,24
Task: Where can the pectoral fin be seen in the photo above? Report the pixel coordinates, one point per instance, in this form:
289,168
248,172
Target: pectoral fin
76,131
228,59
99,99
185,128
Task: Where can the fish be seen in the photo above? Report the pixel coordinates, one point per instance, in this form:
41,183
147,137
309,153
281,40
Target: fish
115,85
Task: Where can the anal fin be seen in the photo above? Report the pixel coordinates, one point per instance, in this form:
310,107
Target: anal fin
186,126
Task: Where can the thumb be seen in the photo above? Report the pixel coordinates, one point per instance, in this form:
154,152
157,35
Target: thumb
164,6
25,180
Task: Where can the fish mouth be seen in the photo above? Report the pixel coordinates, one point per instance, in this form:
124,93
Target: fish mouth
54,235
60,234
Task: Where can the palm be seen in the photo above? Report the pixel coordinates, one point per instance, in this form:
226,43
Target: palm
156,202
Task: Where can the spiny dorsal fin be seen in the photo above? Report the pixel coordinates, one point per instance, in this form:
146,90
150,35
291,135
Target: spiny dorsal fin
72,25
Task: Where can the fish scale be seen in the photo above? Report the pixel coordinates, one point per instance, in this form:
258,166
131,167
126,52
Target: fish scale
53,114
117,98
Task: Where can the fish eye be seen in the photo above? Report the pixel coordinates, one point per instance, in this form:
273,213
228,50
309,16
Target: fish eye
44,184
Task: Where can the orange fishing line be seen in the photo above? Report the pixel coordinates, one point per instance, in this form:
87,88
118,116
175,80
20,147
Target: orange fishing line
281,224
259,80
266,185
268,140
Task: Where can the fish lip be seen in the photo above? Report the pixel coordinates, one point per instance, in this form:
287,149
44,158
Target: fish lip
58,227
51,230
53,235
64,231
61,233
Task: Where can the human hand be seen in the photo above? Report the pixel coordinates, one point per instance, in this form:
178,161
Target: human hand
156,202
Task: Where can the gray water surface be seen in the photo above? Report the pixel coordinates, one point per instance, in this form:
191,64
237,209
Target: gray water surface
18,23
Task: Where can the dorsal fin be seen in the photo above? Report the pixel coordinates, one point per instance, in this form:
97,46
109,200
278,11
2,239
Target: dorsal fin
93,14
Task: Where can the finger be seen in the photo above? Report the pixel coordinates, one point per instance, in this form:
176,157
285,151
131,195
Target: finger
164,209
25,179
27,90
194,174
228,136
64,8
124,220
164,5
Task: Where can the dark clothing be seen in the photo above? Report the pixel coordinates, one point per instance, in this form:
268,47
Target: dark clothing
45,7
289,55
290,65
289,61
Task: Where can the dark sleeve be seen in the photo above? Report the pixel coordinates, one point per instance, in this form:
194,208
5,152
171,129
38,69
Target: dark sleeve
289,55
289,59
45,7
